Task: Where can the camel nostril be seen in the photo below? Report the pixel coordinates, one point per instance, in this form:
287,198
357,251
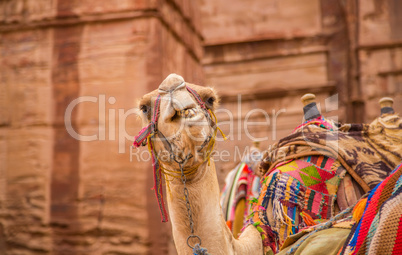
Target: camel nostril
175,116
178,104
168,113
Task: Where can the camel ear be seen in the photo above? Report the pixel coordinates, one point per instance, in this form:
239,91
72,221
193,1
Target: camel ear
208,95
211,99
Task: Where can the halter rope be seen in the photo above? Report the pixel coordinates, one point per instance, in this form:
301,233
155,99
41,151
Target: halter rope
209,149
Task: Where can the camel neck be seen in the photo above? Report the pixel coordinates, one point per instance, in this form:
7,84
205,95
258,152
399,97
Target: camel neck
208,220
203,196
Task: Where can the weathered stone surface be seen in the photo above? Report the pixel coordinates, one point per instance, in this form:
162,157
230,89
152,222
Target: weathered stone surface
270,56
381,75
25,194
378,21
285,73
26,11
112,66
27,141
60,195
25,76
110,6
225,22
271,66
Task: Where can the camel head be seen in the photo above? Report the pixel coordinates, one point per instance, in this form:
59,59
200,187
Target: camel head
184,128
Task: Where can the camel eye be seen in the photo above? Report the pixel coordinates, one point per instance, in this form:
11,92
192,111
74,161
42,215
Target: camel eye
144,109
210,101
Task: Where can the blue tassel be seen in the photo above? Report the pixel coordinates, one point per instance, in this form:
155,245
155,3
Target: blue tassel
197,250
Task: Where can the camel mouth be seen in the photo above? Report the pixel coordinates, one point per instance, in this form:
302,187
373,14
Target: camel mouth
190,114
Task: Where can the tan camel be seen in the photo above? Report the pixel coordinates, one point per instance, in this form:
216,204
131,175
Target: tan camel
187,128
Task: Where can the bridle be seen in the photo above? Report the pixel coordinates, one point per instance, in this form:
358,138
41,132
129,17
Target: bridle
147,136
152,128
149,133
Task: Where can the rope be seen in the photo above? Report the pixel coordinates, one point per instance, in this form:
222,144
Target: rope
191,170
210,147
157,182
326,225
218,128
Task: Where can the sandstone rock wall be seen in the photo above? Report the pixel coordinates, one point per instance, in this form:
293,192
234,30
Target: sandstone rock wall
60,195
270,55
380,53
272,52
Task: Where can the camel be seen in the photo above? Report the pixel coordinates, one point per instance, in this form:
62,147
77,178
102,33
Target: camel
180,130
187,127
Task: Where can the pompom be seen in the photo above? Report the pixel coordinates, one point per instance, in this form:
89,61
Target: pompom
358,210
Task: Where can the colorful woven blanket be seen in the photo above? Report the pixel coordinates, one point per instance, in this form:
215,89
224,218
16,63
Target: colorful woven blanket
241,183
380,229
368,152
298,193
241,186
302,172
